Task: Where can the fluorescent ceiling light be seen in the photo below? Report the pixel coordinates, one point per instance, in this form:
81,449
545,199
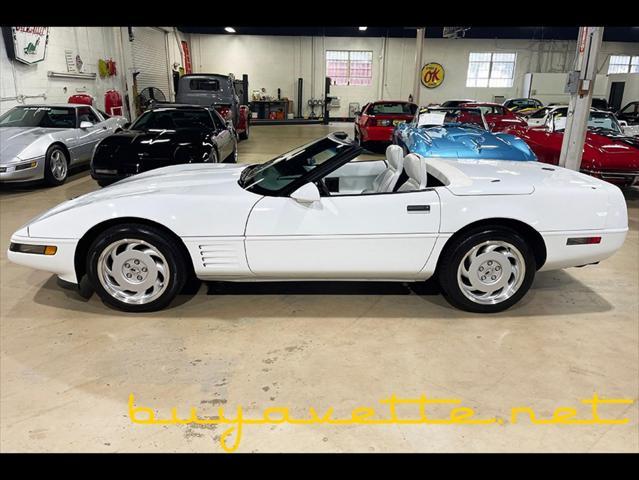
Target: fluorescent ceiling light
229,29
362,29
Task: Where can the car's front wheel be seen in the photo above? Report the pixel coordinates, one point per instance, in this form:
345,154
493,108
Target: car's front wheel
56,166
486,271
136,268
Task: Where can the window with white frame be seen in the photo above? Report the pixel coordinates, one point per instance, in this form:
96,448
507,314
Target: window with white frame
623,64
491,69
349,67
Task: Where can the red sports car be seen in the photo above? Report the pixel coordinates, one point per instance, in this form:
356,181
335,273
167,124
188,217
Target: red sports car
497,116
608,153
377,120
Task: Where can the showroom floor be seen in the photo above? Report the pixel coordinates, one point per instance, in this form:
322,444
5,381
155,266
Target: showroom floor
69,365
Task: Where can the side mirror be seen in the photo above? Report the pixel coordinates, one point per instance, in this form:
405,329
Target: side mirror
623,123
358,113
85,125
307,193
126,125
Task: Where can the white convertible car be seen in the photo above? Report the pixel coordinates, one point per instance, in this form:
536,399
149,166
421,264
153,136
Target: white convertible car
481,227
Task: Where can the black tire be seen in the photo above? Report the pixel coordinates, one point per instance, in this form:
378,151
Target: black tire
245,134
454,254
54,152
213,157
177,264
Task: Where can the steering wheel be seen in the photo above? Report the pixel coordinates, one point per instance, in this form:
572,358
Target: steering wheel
321,186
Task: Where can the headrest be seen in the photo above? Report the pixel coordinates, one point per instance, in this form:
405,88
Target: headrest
415,167
395,156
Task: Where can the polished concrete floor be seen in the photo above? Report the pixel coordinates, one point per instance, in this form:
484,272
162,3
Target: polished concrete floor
68,365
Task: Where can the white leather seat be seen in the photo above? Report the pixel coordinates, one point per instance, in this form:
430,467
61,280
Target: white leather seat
415,167
386,181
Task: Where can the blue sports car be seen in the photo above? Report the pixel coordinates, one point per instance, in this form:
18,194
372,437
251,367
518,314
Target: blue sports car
458,132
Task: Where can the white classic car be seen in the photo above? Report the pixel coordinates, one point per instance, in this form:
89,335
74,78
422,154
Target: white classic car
481,227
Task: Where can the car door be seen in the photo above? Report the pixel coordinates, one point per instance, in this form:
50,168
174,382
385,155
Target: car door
380,236
225,136
88,137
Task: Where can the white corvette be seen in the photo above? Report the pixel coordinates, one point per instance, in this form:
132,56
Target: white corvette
482,228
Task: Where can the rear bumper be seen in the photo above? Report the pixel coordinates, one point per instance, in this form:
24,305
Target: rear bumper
22,171
62,263
377,134
562,255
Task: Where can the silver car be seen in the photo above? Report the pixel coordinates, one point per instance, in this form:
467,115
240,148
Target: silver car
41,142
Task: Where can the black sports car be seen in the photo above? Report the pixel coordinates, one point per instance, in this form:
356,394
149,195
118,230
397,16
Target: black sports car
165,135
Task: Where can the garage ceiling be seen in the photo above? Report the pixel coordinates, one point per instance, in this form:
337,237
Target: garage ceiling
611,34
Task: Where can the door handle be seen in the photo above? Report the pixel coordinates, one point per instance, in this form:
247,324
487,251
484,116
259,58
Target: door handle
418,208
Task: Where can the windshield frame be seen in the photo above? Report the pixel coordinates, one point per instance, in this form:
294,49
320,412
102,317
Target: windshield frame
415,122
171,109
349,151
38,107
617,130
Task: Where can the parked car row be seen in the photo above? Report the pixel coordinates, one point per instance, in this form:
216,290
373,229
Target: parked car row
41,142
467,129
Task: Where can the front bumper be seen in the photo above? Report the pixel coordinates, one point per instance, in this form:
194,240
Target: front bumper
62,263
616,177
106,178
22,171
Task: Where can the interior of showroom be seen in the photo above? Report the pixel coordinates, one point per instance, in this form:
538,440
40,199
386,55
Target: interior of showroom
273,220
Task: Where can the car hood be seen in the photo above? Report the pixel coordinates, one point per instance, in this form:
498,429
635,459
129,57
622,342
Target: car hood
615,152
196,179
132,151
14,140
466,142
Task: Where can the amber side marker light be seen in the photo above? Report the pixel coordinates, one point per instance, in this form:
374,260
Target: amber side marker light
583,241
37,249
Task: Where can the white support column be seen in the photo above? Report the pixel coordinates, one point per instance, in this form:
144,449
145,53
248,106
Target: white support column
127,70
419,47
588,45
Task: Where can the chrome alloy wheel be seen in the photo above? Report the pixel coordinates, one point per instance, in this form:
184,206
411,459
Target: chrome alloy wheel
58,165
133,271
491,272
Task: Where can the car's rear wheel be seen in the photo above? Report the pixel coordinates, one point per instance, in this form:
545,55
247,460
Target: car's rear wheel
135,268
488,270
56,166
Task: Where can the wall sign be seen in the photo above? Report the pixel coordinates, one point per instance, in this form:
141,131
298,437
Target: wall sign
26,44
432,75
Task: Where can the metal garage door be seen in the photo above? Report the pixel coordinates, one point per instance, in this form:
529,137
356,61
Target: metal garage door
151,59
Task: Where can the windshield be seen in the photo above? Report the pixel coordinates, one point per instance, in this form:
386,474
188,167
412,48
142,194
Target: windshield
43,117
450,117
522,103
399,108
273,176
173,119
541,113
598,122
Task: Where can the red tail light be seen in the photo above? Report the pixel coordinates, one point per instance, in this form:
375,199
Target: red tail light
583,241
226,112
